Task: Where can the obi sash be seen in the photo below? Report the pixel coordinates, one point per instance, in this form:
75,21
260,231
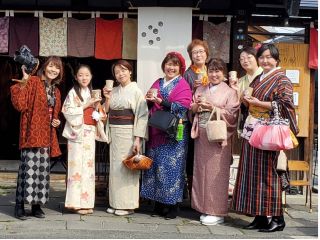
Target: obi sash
121,117
87,116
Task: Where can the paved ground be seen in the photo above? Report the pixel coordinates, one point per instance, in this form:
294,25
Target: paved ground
61,224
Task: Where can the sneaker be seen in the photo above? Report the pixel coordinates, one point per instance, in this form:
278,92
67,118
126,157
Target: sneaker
111,210
212,220
202,217
123,212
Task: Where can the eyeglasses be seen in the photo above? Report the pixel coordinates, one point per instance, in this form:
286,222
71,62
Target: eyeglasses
249,57
201,51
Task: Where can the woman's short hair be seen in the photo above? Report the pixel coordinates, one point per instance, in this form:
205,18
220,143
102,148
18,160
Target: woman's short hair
196,42
56,61
274,52
217,64
123,63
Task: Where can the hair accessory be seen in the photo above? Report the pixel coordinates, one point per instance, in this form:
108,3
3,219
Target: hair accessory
258,46
182,61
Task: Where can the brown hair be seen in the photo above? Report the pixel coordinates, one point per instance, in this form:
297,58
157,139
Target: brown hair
196,42
122,63
217,64
56,61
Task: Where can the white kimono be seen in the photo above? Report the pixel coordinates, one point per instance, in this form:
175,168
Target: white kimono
123,182
81,152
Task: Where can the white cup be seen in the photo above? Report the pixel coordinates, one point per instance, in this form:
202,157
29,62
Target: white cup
96,93
154,92
109,84
233,75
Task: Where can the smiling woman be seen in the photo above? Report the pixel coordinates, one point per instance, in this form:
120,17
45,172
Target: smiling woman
38,100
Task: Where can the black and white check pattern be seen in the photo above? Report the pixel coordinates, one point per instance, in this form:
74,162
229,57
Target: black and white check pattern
33,177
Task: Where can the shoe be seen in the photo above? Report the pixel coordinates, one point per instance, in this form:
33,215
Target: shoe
19,211
37,211
90,210
259,222
158,209
276,224
110,210
123,212
173,212
212,220
202,217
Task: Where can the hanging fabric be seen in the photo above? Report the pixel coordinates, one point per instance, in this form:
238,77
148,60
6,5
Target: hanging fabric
218,38
53,36
130,37
81,35
24,31
108,39
313,49
4,34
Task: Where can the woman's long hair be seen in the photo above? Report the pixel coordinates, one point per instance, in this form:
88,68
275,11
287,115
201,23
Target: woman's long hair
56,62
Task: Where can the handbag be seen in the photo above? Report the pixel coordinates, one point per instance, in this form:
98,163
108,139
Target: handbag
272,134
282,161
138,162
216,129
164,121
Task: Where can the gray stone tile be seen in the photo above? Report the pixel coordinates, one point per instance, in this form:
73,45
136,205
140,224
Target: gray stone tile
166,228
41,223
193,229
155,220
225,230
71,225
106,219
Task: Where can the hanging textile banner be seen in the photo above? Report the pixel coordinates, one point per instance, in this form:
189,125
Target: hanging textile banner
24,31
160,30
313,49
218,39
81,35
108,39
4,34
129,43
53,36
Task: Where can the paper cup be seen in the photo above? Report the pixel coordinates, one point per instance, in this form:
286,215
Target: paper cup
233,75
154,92
96,93
109,84
248,92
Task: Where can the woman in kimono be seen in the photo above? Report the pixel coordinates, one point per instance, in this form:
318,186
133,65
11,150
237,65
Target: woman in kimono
126,129
164,181
80,130
258,189
212,159
39,101
195,75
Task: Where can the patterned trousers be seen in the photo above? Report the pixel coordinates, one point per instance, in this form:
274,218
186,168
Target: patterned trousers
33,176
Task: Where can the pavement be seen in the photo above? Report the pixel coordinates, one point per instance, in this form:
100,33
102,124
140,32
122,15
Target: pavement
300,223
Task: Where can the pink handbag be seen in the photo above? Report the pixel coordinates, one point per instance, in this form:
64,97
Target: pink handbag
272,134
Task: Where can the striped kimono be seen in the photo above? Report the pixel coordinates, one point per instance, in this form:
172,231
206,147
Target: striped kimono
258,186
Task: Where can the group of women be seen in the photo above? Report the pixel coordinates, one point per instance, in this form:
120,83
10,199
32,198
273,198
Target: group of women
191,95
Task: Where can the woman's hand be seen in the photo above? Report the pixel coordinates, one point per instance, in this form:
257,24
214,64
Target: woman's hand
234,83
196,83
205,105
153,99
92,102
25,77
106,93
136,145
55,123
252,101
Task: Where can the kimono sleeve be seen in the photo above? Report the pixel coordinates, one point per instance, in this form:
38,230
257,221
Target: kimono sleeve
230,112
72,109
141,116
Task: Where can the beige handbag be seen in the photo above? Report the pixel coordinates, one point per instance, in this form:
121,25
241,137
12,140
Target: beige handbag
216,129
282,161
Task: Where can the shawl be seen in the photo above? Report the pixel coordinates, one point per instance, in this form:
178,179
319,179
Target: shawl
180,95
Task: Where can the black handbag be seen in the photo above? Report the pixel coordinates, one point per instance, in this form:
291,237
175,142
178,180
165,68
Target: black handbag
164,121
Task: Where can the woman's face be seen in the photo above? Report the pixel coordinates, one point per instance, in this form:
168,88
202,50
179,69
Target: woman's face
215,76
267,62
84,77
171,70
248,61
122,74
51,72
199,55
